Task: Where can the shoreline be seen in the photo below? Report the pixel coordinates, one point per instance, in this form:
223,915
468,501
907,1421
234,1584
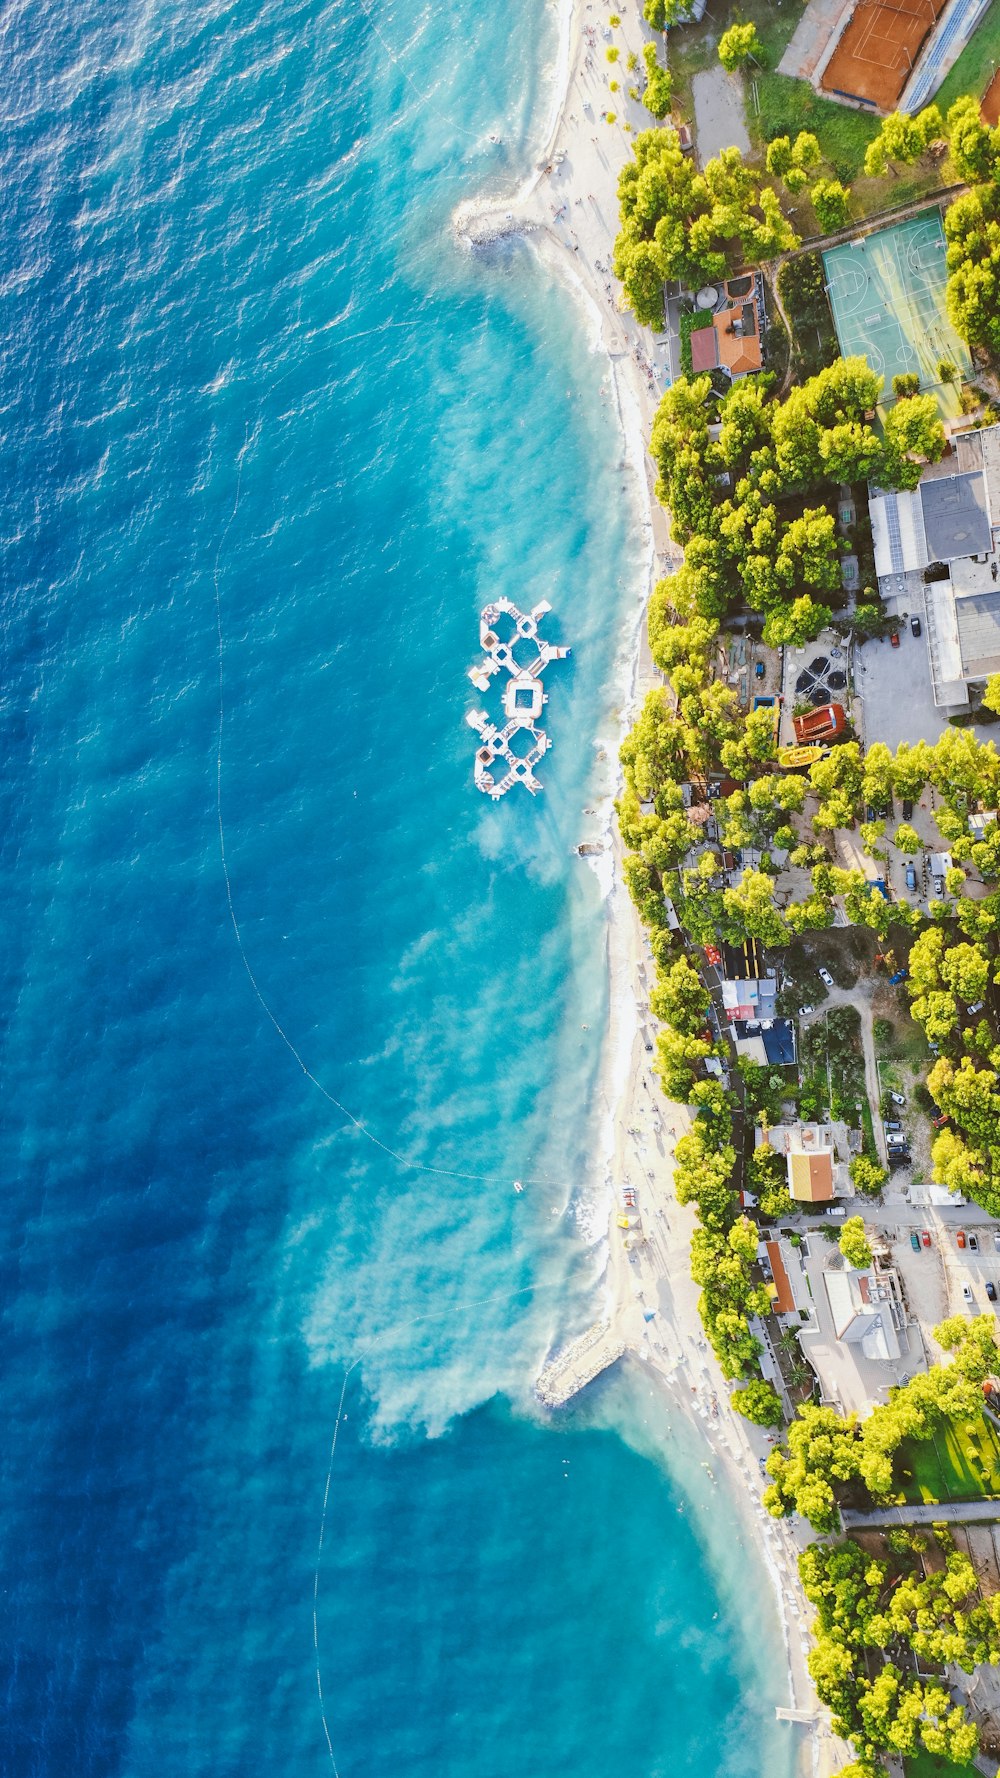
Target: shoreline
567,208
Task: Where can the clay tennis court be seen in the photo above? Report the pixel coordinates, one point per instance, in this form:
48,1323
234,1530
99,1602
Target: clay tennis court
879,49
989,110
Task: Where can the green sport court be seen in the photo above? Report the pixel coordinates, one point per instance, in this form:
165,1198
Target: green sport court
887,291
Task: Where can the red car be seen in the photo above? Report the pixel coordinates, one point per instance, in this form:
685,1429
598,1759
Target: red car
894,638
960,1238
925,1237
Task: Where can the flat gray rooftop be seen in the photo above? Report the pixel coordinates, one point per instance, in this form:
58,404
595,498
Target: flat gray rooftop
956,516
979,634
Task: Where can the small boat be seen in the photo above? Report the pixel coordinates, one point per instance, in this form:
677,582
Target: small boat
518,1185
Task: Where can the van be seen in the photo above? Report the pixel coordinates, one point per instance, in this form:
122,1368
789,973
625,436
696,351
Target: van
911,877
838,1210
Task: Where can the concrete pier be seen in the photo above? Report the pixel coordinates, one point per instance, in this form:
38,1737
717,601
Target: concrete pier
579,1363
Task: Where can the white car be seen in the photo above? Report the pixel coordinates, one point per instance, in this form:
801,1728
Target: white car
804,1011
898,1098
825,976
967,1292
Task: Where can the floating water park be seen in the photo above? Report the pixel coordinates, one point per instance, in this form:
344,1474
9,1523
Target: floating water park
510,751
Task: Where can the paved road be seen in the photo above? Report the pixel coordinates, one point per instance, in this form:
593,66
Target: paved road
963,1512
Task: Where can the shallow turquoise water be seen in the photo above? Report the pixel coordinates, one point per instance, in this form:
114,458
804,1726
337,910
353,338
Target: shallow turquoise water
246,373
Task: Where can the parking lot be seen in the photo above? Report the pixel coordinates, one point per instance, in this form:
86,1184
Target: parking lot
894,685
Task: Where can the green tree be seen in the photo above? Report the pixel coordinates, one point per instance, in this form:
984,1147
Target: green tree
973,145
906,838
867,1177
854,1244
991,696
806,152
912,429
751,910
905,383
877,777
830,200
779,156
657,96
851,452
661,14
823,1450
903,139
758,1402
738,45
972,231
794,625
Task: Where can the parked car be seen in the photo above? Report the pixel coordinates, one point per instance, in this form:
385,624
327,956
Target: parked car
967,1292
894,638
977,1006
991,1290
898,1156
825,976
838,1210
911,877
915,626
960,1238
898,1098
907,809
925,1236
915,1242
974,1243
996,1239
759,669
804,1011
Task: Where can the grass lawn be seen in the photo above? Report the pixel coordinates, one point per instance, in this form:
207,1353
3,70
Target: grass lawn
929,1765
783,107
958,1463
977,63
788,106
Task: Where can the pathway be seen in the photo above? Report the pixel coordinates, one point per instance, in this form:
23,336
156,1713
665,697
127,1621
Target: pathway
962,1512
811,38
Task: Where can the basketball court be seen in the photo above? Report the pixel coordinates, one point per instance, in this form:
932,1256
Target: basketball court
879,50
887,293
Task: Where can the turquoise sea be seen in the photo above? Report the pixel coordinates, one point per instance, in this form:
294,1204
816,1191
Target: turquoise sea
260,413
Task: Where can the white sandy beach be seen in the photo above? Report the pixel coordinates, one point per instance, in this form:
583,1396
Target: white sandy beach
568,208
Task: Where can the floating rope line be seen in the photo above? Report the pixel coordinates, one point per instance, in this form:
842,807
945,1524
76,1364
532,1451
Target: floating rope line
398,1327
402,1160
424,97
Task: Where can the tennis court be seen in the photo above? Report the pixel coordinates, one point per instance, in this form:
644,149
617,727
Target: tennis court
887,293
879,50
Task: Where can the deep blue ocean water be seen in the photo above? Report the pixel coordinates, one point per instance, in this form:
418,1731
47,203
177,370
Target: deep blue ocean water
249,387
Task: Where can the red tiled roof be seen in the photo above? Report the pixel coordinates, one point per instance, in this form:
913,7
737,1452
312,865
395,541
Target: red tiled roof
784,1302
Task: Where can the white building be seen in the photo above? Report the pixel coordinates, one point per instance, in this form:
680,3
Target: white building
936,549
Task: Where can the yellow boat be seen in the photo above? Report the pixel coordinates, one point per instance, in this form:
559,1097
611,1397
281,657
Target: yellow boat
800,758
